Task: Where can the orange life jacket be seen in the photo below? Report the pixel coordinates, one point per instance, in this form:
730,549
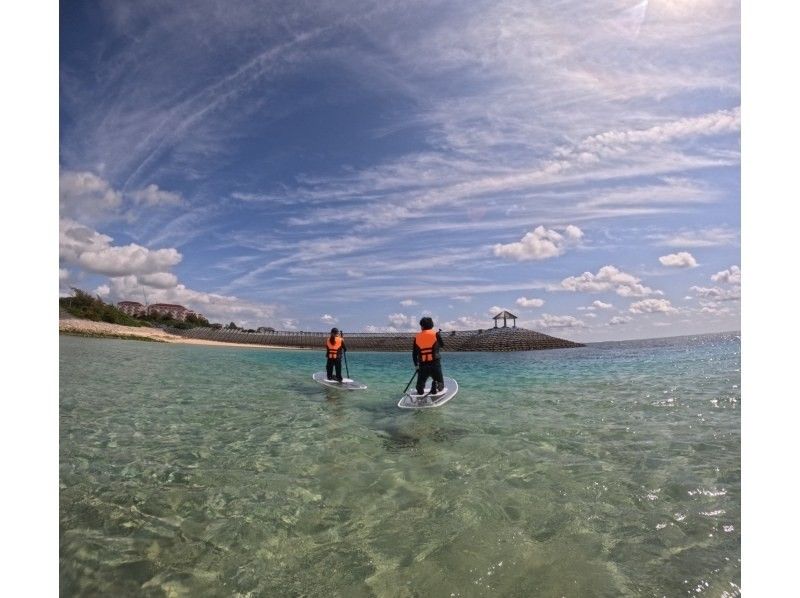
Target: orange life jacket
333,347
426,341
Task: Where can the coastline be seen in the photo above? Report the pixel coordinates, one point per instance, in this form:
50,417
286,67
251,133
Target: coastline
88,328
489,340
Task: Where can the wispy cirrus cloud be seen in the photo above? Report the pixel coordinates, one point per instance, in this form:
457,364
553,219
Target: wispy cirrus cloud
153,196
610,143
709,237
448,135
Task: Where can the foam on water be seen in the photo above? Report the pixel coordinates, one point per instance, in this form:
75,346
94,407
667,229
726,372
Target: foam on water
606,470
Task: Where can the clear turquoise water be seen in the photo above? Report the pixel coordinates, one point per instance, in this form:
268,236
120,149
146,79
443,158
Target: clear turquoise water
609,470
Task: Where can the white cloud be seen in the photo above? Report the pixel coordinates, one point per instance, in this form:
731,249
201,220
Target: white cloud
88,197
153,196
464,298
618,320
732,276
408,302
596,305
401,320
715,309
496,309
465,323
289,324
651,306
92,251
551,321
533,302
129,259
717,293
540,244
607,278
103,290
83,194
159,280
328,319
373,328
683,259
63,274
215,307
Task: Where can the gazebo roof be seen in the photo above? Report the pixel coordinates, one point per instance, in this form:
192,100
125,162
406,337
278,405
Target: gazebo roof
504,314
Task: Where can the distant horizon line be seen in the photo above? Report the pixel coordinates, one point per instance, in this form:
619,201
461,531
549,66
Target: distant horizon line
655,338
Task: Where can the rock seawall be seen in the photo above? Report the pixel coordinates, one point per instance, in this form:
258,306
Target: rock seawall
491,339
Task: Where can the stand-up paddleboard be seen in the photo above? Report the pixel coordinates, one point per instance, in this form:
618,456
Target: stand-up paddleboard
345,384
411,400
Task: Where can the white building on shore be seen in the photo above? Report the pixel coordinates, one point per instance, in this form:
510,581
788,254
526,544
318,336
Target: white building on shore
174,311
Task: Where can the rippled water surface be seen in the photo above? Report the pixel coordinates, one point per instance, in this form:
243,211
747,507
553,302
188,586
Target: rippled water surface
609,470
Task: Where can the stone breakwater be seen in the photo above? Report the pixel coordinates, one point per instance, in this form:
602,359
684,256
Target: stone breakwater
492,339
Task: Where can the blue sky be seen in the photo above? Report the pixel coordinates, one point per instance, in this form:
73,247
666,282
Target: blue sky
362,164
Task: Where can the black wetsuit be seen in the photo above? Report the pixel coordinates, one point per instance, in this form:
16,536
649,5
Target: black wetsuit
432,369
335,363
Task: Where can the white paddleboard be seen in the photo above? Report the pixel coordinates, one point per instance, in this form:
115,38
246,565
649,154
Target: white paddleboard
345,384
411,400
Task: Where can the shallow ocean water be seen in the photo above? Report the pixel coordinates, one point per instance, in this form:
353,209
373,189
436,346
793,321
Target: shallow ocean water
608,470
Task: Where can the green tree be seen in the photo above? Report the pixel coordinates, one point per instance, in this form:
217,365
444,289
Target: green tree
83,305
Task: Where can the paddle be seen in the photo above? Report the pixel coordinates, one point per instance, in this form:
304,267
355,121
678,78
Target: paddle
409,382
346,369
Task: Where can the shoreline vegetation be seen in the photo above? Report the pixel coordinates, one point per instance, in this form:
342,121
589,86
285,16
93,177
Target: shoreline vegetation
87,328
91,317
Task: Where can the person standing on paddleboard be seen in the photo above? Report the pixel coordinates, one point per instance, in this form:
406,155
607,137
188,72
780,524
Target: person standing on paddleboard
335,348
426,357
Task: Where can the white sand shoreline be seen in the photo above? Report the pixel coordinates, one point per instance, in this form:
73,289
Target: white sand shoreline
100,329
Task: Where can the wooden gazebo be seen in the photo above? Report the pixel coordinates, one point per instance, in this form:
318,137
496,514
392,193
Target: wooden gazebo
506,315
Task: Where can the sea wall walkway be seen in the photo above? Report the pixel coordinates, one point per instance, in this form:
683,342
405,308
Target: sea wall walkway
491,339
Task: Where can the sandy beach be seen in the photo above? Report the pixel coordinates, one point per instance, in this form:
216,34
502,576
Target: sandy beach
104,329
